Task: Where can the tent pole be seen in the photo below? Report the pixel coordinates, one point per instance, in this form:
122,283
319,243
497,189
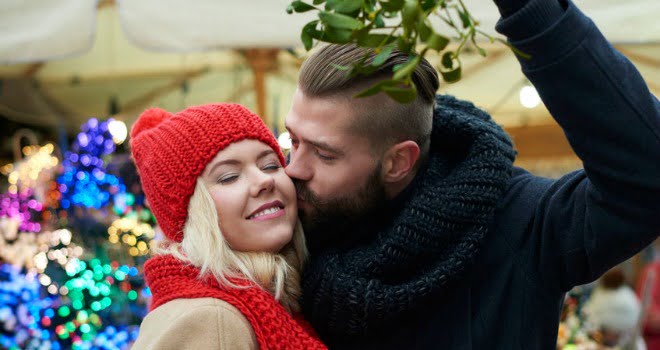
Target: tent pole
262,62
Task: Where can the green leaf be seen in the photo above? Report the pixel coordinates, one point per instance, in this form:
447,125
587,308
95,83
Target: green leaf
375,40
318,2
379,21
360,34
401,94
424,31
428,4
340,21
465,18
299,6
376,88
407,69
382,56
452,76
340,67
369,6
437,42
330,4
404,45
346,6
309,33
514,49
392,5
409,13
363,70
481,51
306,39
337,35
448,60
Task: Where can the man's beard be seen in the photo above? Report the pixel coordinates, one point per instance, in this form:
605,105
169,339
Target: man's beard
336,221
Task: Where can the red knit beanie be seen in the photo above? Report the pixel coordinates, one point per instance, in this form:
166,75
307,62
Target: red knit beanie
172,150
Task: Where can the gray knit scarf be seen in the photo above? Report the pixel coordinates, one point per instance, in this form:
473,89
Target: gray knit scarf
427,242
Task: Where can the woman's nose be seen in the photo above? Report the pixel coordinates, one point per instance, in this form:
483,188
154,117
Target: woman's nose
262,182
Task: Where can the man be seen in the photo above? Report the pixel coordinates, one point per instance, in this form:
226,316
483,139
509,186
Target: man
421,232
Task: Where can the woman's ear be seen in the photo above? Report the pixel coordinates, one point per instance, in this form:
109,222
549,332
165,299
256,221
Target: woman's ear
399,161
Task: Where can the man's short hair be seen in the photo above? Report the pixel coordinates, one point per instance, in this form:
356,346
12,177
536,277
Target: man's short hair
383,120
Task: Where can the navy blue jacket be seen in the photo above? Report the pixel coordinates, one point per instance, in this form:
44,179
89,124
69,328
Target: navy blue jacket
551,235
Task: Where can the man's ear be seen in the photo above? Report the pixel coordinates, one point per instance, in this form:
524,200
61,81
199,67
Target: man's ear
399,161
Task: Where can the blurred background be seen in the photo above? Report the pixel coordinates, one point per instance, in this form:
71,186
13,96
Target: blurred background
74,76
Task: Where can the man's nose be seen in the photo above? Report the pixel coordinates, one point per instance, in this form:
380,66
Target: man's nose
298,168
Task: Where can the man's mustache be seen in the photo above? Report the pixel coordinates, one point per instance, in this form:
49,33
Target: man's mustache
304,193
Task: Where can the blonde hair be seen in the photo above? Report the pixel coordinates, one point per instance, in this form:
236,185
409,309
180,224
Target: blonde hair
205,247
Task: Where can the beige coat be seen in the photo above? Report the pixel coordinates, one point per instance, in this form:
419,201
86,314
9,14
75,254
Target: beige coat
204,323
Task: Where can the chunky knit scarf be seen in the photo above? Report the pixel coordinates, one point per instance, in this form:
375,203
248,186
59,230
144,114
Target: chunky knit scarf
424,244
169,279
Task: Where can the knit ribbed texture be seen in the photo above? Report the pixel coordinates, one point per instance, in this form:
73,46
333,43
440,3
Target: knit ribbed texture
168,278
524,19
172,150
430,240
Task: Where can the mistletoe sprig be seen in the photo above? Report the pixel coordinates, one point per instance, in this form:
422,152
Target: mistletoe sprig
383,25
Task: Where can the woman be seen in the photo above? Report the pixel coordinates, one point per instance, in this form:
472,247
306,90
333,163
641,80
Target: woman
227,274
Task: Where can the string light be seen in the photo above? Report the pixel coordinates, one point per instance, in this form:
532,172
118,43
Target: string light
22,207
284,140
529,98
132,232
118,130
33,170
22,311
85,181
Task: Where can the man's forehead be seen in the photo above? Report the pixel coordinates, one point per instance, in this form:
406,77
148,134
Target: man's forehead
325,112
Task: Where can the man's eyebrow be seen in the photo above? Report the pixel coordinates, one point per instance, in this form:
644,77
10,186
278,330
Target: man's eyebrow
326,147
320,144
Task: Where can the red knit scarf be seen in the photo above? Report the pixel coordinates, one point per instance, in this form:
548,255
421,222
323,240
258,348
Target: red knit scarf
169,279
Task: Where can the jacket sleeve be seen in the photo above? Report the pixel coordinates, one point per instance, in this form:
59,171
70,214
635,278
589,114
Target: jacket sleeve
588,221
212,326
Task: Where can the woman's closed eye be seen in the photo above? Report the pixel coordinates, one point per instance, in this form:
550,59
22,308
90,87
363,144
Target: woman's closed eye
271,166
227,178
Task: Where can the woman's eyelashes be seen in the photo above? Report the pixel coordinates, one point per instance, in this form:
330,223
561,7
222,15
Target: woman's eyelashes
228,178
272,166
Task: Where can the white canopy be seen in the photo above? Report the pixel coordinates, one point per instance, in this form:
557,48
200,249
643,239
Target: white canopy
41,30
81,60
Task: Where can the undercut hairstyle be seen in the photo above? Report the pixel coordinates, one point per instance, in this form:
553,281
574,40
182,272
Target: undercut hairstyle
383,120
